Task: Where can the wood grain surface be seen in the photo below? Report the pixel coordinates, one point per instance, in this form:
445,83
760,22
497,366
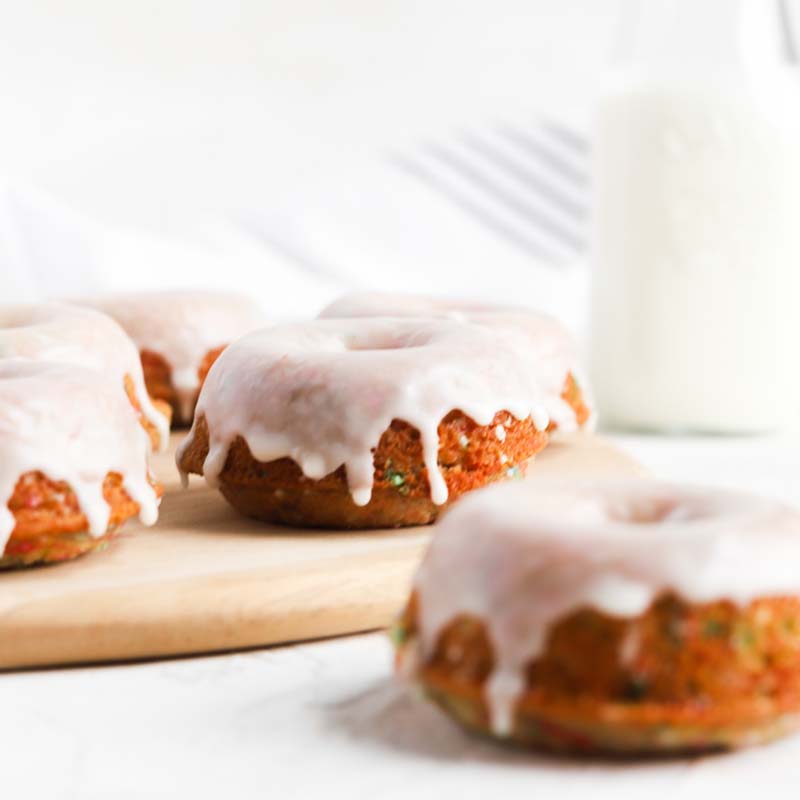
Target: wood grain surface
206,579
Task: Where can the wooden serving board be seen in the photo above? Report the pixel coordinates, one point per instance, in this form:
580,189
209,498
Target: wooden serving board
206,579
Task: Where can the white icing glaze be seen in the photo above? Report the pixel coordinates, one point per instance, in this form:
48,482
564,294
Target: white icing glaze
182,327
554,348
63,334
74,425
323,392
522,557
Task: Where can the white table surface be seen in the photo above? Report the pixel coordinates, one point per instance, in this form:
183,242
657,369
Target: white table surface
325,719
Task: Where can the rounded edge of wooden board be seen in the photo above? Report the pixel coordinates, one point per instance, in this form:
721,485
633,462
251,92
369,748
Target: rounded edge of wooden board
240,610
245,608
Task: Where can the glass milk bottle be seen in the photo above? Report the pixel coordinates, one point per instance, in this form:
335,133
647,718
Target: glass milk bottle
696,223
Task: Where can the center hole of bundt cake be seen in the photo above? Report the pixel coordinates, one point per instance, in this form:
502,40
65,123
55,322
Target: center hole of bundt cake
23,317
648,510
366,348
17,323
377,343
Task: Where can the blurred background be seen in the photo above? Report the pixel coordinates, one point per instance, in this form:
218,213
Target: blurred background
156,112
289,146
298,150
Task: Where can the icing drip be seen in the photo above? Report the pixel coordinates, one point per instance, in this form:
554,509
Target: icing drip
322,393
551,344
74,425
538,553
182,327
64,334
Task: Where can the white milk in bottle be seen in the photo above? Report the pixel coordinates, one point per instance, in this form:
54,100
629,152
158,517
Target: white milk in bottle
696,223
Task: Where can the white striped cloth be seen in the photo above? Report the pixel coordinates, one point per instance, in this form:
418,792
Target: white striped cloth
498,212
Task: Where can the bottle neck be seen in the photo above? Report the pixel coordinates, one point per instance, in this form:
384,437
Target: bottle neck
706,35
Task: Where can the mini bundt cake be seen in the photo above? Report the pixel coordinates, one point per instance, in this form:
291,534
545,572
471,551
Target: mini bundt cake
367,423
74,465
610,617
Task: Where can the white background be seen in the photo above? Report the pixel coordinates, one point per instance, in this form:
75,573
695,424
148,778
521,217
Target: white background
155,112
162,125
